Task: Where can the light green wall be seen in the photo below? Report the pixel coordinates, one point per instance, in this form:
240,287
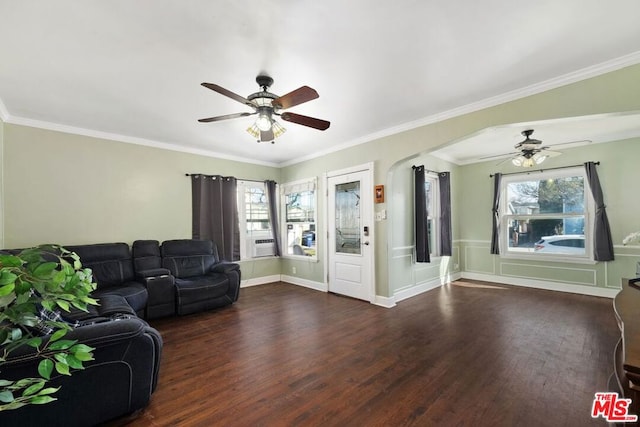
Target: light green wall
619,176
72,189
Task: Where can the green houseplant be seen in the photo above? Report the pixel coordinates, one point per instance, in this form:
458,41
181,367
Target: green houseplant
36,285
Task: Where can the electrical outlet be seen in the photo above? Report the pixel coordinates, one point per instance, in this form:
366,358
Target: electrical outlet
293,270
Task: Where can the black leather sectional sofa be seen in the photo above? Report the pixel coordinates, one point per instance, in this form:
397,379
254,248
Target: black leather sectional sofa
146,281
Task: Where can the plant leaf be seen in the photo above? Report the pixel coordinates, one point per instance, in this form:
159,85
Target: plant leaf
34,342
63,305
7,277
40,400
82,348
49,390
62,368
45,368
33,389
57,335
62,345
6,289
73,362
6,396
44,270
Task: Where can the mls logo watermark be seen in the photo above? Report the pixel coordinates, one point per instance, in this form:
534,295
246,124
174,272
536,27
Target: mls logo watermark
613,409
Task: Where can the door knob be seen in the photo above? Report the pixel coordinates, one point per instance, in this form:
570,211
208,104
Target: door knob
366,243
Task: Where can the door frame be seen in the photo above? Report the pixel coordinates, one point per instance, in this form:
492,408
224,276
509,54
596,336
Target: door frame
367,168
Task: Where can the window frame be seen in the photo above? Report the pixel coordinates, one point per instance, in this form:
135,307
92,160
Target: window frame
298,186
506,218
241,189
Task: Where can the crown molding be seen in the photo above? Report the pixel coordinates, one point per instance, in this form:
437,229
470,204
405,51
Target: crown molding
554,83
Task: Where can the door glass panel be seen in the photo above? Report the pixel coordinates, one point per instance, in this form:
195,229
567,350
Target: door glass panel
348,218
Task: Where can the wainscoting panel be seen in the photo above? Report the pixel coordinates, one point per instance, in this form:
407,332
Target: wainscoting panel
477,259
401,269
574,275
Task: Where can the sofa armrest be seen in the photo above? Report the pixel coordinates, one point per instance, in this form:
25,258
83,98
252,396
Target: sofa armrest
152,273
127,357
225,267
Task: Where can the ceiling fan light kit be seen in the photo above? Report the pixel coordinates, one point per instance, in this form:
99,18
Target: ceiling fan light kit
267,105
532,152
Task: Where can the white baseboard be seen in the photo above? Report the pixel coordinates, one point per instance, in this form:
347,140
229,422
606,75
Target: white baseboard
318,286
386,302
540,284
260,280
423,287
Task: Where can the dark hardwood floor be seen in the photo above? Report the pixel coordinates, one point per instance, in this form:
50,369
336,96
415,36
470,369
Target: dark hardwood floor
466,354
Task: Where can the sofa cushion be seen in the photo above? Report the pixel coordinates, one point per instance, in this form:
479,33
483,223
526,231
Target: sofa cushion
189,258
134,293
201,288
146,255
110,262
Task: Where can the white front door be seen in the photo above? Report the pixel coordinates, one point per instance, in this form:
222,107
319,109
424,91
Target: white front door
350,240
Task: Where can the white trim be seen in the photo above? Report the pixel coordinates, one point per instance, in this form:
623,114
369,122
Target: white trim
412,291
534,89
317,286
131,140
255,281
386,302
540,284
352,169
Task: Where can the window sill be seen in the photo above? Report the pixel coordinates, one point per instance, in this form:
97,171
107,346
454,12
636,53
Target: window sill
549,258
301,258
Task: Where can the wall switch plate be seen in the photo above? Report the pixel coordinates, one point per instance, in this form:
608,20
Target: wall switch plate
293,270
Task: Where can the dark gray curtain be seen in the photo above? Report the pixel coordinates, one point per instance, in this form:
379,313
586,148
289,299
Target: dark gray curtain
444,184
273,214
215,213
602,242
495,210
420,208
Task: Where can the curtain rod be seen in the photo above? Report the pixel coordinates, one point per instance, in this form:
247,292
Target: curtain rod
542,170
426,170
239,179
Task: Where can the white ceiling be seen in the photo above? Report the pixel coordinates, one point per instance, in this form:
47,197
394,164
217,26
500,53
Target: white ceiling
131,70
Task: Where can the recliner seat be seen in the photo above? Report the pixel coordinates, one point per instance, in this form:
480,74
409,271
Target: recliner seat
113,272
202,280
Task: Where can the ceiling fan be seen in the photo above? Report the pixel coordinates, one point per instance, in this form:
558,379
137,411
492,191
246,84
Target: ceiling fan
267,106
530,151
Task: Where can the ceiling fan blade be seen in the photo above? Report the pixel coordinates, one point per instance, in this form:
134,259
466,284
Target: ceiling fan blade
550,153
578,143
227,92
266,135
297,97
306,121
225,117
498,156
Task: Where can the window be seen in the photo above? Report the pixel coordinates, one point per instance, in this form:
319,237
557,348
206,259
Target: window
546,214
299,220
433,211
256,239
